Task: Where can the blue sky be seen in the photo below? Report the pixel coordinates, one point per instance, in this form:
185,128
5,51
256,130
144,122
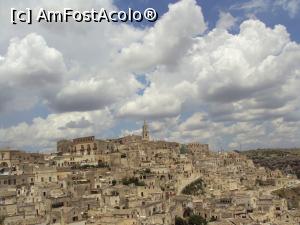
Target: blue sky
224,74
271,15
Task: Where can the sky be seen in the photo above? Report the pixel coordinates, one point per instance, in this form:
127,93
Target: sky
225,73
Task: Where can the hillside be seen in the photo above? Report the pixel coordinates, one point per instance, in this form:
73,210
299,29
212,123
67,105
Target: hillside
287,160
292,195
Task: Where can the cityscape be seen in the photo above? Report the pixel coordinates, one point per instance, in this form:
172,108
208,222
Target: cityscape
147,112
134,180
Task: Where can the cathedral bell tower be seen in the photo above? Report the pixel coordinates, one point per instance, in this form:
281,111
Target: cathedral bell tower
145,133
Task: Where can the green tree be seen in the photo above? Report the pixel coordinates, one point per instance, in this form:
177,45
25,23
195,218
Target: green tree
132,180
196,220
180,221
183,149
194,188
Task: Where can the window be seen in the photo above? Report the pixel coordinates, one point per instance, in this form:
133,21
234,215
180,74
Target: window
42,179
50,179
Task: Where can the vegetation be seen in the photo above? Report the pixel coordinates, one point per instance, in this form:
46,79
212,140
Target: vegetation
194,188
286,160
132,180
180,221
183,149
292,195
191,220
196,220
89,166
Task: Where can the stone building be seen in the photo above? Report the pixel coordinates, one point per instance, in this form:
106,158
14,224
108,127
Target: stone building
12,158
137,181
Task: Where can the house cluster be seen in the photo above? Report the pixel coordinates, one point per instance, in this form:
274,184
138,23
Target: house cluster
137,181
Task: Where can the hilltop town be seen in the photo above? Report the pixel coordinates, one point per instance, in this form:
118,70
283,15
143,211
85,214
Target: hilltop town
134,180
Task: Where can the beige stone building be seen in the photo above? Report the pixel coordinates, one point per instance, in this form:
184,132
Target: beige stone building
135,180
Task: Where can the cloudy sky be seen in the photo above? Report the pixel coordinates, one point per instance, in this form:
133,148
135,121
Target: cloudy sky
225,73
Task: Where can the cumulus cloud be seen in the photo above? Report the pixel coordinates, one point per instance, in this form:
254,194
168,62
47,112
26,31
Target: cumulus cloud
30,68
31,62
168,40
225,89
79,77
234,80
152,104
83,123
48,130
92,94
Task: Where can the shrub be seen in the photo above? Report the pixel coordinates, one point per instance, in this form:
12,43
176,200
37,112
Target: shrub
196,220
132,180
194,188
183,149
180,221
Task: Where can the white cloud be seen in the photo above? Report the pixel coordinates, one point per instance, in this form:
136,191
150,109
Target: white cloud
42,134
29,69
256,6
235,80
216,87
252,5
291,6
168,40
152,104
29,61
67,69
226,21
95,93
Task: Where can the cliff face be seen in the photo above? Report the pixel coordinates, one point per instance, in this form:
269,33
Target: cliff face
286,160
